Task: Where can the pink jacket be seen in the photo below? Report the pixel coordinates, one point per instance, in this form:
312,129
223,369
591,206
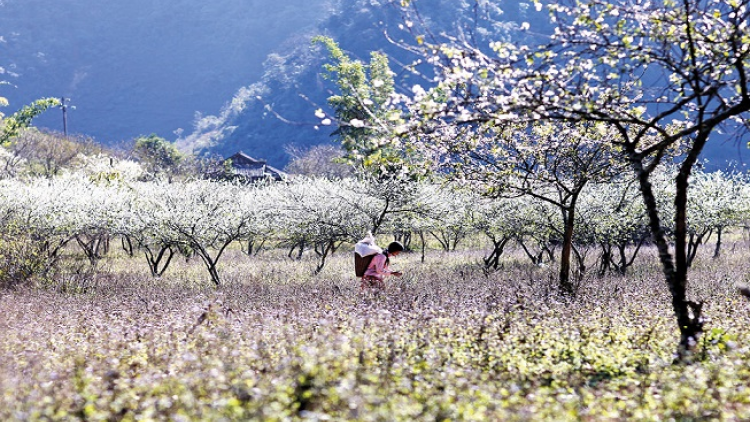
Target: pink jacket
378,268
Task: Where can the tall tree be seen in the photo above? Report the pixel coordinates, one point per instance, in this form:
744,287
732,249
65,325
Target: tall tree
663,75
363,112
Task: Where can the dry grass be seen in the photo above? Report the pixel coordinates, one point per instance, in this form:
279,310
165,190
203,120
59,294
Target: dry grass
447,341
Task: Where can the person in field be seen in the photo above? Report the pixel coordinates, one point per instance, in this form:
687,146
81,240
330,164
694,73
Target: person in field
378,268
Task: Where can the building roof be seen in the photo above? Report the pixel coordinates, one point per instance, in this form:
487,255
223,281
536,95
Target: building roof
246,165
240,158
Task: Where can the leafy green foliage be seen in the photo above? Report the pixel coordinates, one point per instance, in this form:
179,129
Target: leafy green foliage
363,113
158,155
12,125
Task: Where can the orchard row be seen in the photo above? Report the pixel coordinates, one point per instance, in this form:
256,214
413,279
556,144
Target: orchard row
41,217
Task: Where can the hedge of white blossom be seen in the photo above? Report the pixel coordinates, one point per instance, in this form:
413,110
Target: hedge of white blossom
203,218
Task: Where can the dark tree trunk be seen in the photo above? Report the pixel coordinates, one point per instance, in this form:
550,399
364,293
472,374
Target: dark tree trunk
444,242
605,259
567,248
538,258
581,261
91,246
688,314
254,246
493,260
424,245
127,245
323,249
301,246
404,238
155,260
214,273
624,263
717,250
210,262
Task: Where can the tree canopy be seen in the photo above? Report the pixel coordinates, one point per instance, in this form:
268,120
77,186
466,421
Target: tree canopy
664,77
12,125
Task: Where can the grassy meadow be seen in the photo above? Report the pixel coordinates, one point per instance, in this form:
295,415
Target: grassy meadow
448,341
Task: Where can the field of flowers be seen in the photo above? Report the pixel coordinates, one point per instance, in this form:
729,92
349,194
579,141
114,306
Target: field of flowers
448,341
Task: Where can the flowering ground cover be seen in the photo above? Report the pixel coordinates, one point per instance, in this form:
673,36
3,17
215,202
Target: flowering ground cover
448,341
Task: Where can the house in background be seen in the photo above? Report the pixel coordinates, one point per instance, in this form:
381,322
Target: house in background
243,167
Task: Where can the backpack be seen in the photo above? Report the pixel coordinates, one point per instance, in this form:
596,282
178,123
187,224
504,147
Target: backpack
364,251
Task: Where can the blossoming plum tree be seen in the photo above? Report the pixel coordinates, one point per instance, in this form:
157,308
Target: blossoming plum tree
664,76
719,200
321,213
205,217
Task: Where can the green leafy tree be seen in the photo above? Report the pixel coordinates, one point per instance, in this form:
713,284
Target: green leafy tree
362,110
159,156
11,126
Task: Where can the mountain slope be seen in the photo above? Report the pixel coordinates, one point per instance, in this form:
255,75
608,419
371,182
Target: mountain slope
278,109
222,76
141,66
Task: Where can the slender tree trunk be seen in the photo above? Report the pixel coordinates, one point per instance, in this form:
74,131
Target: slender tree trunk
323,250
377,222
605,259
675,270
444,243
694,242
717,250
104,243
424,244
581,261
154,261
493,260
90,246
127,245
626,262
569,218
536,260
211,262
214,273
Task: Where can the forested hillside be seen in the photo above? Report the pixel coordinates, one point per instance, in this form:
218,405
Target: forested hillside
141,66
163,67
292,87
228,75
